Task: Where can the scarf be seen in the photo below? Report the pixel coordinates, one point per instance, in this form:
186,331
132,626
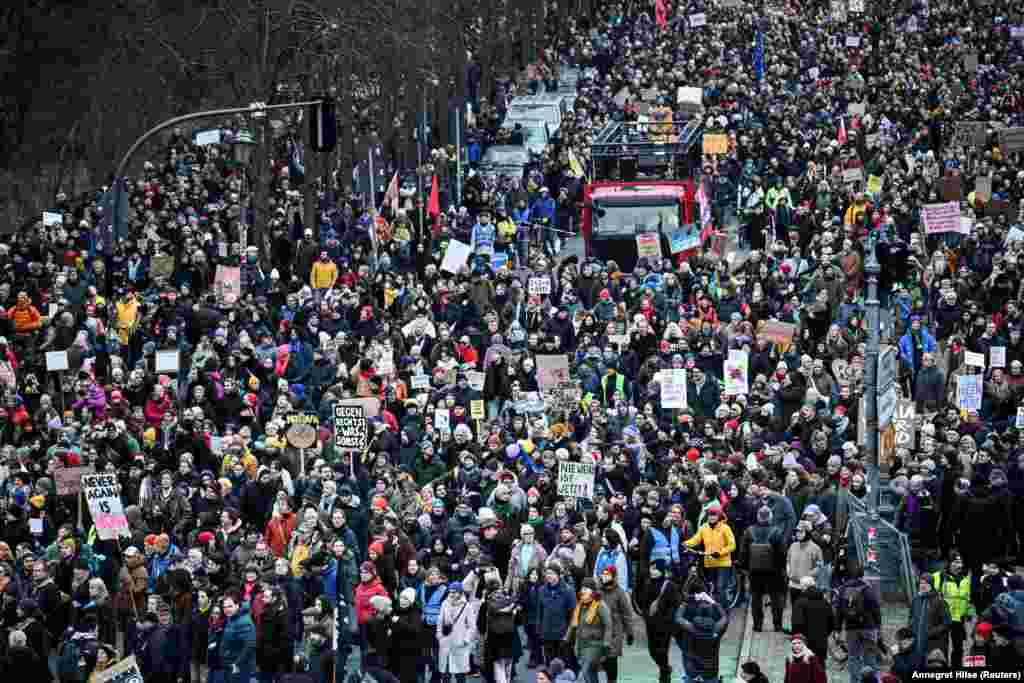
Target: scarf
591,612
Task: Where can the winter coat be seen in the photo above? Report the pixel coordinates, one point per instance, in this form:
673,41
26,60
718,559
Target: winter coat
455,648
133,580
365,591
660,617
556,606
516,575
592,640
617,602
812,616
702,624
715,539
238,646
802,560
806,669
930,622
408,642
274,640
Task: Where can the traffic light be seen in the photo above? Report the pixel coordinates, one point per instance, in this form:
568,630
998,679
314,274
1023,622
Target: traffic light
323,125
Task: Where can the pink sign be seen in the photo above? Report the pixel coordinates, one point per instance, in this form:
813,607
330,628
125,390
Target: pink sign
938,218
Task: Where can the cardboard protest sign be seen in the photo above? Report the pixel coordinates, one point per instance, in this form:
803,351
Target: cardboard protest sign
351,431
455,256
716,143
539,286
576,479
939,218
102,494
552,370
776,332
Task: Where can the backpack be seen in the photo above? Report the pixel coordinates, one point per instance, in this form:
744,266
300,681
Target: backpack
1008,610
67,661
501,623
762,557
853,611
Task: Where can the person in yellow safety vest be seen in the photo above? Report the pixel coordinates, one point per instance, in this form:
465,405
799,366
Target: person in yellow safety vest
954,585
855,213
719,544
618,383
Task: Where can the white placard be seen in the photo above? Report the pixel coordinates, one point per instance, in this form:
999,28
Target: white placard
420,381
56,361
856,6
208,137
973,359
997,356
102,493
442,419
456,256
167,361
1020,417
52,218
852,41
698,20
576,479
673,389
35,524
968,392
540,286
476,379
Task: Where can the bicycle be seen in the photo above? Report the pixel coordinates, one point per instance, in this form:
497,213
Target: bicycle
732,591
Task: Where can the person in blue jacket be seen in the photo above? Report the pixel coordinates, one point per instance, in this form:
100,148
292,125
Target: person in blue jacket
914,344
238,641
557,603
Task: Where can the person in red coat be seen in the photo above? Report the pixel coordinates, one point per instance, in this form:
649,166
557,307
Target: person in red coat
802,666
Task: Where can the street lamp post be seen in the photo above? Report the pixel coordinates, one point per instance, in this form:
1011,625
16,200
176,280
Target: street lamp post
872,269
243,145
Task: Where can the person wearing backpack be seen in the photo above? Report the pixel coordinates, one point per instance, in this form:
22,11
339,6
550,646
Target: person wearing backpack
590,631
859,611
761,554
497,621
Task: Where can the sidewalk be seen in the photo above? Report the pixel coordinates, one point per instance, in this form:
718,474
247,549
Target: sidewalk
770,648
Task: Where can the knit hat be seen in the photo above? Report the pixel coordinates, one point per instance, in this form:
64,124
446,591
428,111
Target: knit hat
797,638
151,539
936,657
751,668
377,547
764,515
557,666
368,567
204,537
610,569
983,630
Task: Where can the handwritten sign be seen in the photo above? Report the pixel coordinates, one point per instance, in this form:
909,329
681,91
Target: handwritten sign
939,218
455,256
853,175
852,41
736,368
973,359
968,392
420,381
540,286
576,479
350,428
716,143
102,494
673,389
476,409
997,356
648,245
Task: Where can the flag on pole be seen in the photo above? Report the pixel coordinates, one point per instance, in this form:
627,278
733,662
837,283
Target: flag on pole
434,203
759,55
841,136
661,14
296,163
391,195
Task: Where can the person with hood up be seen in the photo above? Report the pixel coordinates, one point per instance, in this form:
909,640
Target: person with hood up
702,623
930,621
591,631
802,665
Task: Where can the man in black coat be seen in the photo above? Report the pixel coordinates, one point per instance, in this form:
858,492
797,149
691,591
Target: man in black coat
813,616
273,652
656,602
763,555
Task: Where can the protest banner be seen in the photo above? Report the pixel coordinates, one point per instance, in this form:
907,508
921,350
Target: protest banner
975,360
552,370
476,380
939,218
698,20
737,367
162,266
124,671
673,389
227,284
997,356
1011,139
576,479
351,430
455,257
648,245
51,218
540,286
776,332
715,143
968,392
103,496
68,480
853,175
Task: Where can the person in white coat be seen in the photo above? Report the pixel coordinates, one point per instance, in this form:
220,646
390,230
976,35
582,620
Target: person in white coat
456,634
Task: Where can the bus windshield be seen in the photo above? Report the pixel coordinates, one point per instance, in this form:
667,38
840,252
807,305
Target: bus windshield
619,219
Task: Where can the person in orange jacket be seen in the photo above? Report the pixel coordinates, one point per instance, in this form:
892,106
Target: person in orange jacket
24,315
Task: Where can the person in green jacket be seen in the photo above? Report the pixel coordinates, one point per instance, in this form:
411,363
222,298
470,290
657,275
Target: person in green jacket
238,642
954,585
591,631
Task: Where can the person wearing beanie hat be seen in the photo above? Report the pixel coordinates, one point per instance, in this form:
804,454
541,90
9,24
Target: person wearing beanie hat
591,629
407,636
954,585
657,598
763,551
557,603
456,634
369,587
614,587
750,672
719,544
902,652
612,557
802,666
802,559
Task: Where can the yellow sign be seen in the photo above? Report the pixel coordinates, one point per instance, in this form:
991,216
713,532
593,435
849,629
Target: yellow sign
476,409
874,184
716,143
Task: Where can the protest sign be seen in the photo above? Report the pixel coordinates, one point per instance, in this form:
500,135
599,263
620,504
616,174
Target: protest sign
552,370
1011,139
125,671
162,265
939,218
52,218
476,380
455,256
56,361
737,367
442,419
102,494
499,260
673,389
853,175
227,284
351,430
874,184
420,381
856,108
968,392
648,245
698,20
540,286
716,143
904,419
684,239
857,6
1020,417
838,12
971,62
852,41
973,359
576,479
620,339
302,429
208,137
997,356
476,409
68,480
167,361
983,187
776,332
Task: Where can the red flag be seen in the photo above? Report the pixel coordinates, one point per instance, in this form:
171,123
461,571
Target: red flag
661,14
855,123
434,205
391,195
842,130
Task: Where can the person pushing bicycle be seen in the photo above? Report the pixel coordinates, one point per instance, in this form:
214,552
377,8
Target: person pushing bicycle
719,544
